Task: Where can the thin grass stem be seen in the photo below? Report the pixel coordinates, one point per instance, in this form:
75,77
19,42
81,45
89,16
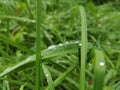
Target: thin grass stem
38,47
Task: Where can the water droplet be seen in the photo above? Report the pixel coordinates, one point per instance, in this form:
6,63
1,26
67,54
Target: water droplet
60,44
102,63
77,42
47,75
66,42
80,44
33,21
52,47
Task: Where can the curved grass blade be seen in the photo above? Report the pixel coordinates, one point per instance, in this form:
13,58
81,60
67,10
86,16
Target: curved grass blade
49,78
47,54
99,70
83,47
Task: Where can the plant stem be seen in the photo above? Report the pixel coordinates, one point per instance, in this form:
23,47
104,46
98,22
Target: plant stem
83,47
38,47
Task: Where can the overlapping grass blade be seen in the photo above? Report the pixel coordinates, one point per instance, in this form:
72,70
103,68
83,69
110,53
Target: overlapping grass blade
47,54
16,82
68,78
48,76
19,46
63,76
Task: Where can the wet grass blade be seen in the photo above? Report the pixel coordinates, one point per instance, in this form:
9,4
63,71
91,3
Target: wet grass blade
48,76
83,47
99,70
47,54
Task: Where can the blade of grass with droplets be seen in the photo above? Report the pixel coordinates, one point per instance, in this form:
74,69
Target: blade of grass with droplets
48,76
83,47
47,54
99,70
38,81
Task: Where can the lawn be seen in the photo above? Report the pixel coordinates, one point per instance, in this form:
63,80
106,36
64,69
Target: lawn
59,45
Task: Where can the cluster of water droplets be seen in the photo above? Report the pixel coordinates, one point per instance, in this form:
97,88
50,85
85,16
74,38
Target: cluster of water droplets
60,44
77,42
51,47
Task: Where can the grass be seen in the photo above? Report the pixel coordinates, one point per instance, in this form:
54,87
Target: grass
61,45
38,80
83,47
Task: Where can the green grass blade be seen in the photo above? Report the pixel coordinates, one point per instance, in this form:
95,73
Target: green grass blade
83,47
15,44
38,47
69,79
17,19
49,78
18,82
47,54
99,70
62,77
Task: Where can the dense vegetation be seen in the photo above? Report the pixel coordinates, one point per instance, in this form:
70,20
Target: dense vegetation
60,43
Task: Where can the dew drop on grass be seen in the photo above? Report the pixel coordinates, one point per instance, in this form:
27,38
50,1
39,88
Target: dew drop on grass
52,47
47,75
66,42
80,44
60,44
102,63
76,42
33,21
